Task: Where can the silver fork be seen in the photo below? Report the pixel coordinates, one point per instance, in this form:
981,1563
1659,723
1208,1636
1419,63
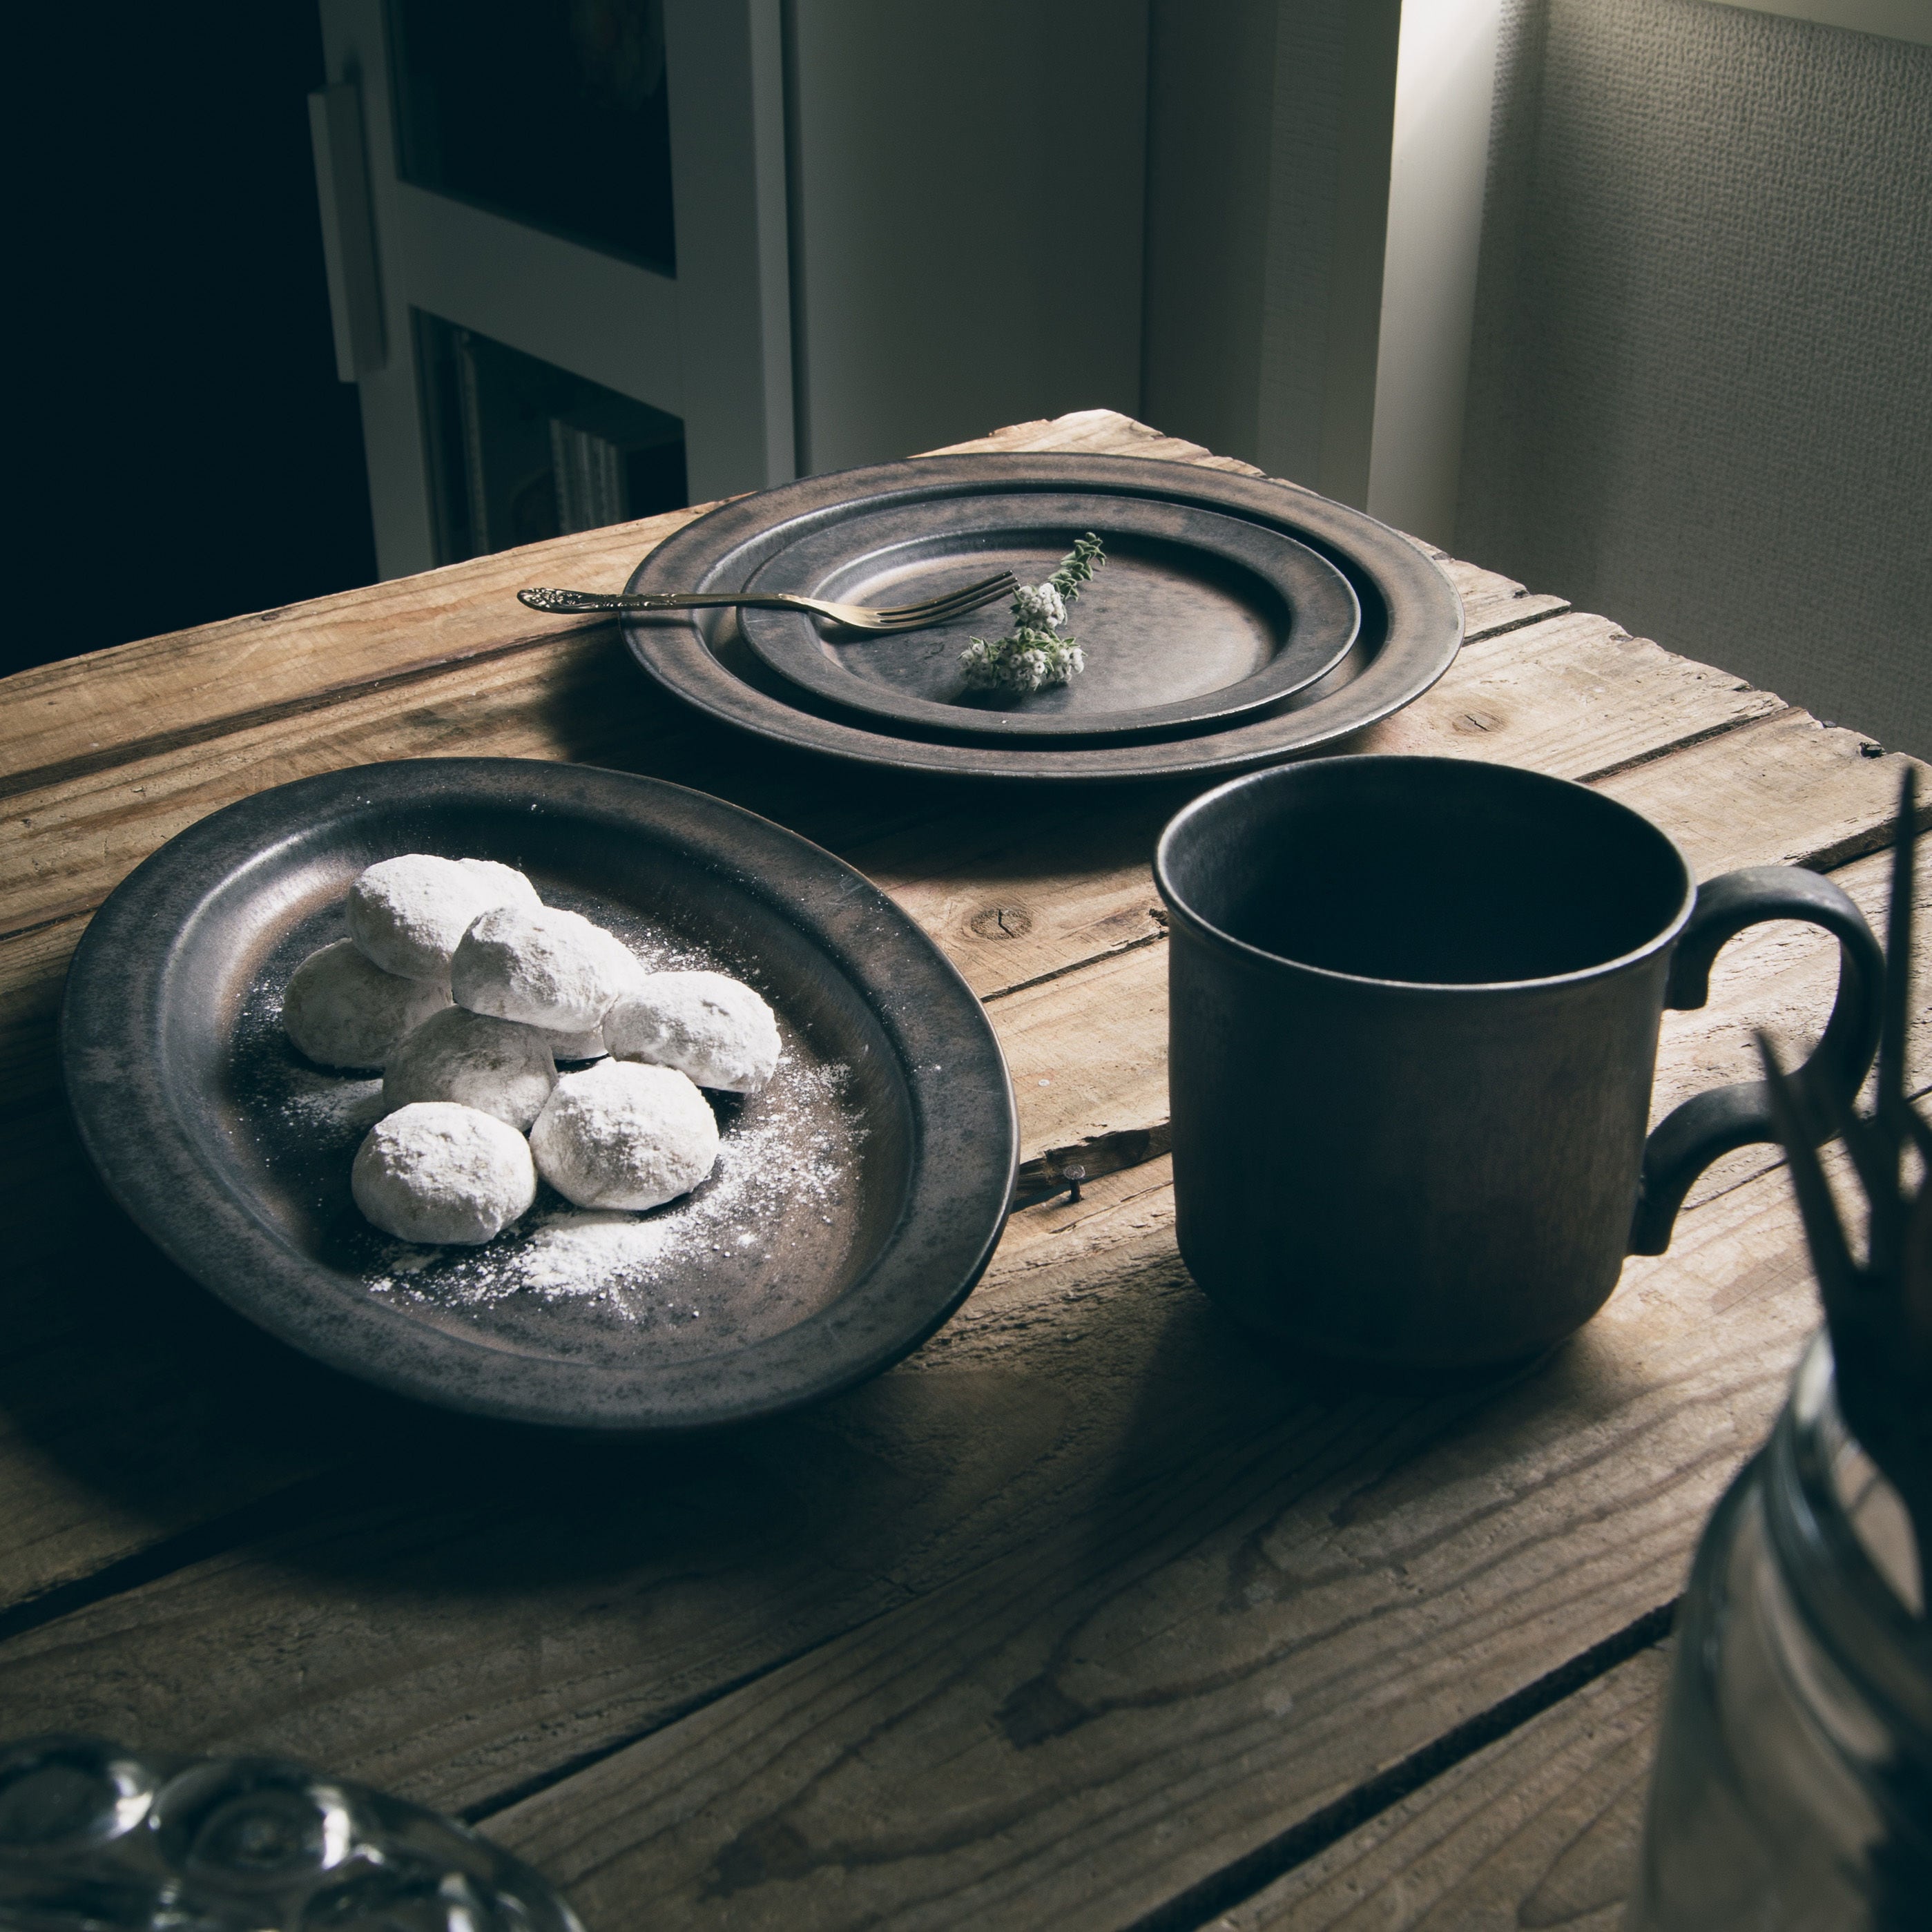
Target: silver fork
854,616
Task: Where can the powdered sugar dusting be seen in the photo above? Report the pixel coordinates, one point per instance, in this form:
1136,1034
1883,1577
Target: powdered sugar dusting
314,1100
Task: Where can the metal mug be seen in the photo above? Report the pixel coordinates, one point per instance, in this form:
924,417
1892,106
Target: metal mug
1414,1006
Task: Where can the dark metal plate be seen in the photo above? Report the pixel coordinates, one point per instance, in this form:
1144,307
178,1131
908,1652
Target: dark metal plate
872,1176
1196,617
1412,618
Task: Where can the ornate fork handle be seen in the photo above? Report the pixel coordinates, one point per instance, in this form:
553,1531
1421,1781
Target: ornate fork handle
581,602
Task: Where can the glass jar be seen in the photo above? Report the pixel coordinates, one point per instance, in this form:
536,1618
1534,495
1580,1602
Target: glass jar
1792,1791
94,1837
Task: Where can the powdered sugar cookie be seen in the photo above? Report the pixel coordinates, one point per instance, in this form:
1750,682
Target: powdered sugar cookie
543,966
708,1025
407,914
622,1136
340,1010
496,1066
436,1171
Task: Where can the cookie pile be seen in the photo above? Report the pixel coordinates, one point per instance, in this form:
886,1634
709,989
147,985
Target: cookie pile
466,992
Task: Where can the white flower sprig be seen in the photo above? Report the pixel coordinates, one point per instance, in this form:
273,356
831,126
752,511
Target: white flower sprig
1036,656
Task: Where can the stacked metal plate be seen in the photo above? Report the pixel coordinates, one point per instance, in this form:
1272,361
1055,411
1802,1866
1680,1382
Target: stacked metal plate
1237,622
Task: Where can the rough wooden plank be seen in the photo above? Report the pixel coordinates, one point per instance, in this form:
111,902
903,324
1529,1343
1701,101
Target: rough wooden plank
1103,432
1088,1053
133,1406
1143,1529
68,844
1017,890
1493,604
150,1458
1230,1639
704,1557
86,713
63,847
33,966
1541,1828
1575,696
1792,792
1012,897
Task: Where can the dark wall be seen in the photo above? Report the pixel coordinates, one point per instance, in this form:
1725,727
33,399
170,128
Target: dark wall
183,451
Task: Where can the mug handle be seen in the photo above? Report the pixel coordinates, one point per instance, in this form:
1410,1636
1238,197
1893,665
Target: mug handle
1687,1140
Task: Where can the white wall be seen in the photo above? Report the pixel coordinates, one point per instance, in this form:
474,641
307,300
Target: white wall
1701,397
967,198
1445,90
1902,20
1316,175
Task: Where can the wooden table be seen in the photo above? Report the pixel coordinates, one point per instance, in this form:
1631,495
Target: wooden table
1084,1616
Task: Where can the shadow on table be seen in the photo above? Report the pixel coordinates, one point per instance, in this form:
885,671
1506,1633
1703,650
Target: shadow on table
460,1611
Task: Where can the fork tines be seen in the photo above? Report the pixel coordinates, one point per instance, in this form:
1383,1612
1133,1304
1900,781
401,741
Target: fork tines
965,599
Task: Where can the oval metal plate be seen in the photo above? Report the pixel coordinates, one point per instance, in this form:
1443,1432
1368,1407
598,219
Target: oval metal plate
188,1103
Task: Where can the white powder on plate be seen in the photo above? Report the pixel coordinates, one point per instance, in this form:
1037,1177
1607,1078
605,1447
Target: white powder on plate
314,1102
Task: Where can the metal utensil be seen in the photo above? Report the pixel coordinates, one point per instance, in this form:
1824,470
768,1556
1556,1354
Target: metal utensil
854,616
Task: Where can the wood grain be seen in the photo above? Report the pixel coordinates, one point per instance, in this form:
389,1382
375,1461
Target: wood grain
1230,1636
86,714
1575,696
1088,1479
1784,791
1539,1829
66,844
1009,904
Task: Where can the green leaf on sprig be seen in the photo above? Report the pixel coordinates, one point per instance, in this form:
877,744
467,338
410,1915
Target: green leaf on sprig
1078,566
